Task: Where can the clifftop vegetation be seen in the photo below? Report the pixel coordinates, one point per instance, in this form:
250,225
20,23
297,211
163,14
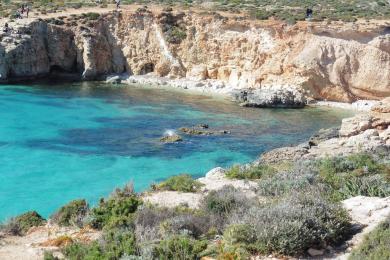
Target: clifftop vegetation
345,10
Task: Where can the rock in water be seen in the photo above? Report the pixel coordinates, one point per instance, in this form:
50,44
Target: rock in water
171,139
194,131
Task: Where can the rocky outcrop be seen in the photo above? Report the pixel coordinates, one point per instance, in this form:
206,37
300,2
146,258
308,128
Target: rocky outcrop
264,64
365,132
271,96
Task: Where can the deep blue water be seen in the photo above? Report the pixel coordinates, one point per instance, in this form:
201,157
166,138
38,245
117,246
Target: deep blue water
62,142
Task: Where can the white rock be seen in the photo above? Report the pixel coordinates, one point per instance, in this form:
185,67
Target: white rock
216,173
315,252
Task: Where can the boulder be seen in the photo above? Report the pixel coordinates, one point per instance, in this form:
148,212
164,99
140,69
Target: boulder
383,106
315,252
216,174
323,135
354,125
283,154
273,97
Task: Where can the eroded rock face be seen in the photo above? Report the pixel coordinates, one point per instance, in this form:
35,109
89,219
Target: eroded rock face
274,64
367,132
273,96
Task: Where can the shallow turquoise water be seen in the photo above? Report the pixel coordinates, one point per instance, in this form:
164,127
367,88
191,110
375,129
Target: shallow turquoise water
62,142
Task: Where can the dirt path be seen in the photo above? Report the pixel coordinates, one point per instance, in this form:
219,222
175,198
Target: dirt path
41,239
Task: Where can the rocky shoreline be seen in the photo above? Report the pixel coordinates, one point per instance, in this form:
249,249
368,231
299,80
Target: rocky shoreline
267,97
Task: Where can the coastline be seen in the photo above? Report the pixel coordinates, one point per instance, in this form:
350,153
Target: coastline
218,89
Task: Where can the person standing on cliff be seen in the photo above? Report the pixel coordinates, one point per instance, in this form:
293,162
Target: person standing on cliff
27,11
309,13
118,2
6,28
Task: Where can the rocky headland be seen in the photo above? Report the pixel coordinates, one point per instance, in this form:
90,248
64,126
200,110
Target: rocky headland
258,63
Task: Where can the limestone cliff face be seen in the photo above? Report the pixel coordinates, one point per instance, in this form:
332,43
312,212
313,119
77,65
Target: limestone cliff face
327,63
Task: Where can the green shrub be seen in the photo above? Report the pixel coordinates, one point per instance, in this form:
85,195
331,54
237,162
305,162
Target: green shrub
183,183
283,183
358,174
179,247
294,224
250,173
376,244
224,201
22,223
156,222
92,16
114,244
49,256
239,233
118,208
175,35
72,214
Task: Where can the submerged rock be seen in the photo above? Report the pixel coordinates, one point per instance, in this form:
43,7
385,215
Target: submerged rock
194,131
200,130
171,139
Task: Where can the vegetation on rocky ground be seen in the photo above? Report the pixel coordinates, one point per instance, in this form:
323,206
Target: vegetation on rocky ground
183,183
290,11
22,223
72,214
295,208
376,244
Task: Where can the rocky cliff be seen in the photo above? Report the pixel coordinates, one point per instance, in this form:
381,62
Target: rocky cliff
323,61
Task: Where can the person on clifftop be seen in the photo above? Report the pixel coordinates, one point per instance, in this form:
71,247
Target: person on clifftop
118,2
309,13
6,28
27,11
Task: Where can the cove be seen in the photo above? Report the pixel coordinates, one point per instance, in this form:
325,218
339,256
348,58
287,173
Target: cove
60,142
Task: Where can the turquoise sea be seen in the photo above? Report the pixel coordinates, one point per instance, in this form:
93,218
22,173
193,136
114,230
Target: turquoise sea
60,142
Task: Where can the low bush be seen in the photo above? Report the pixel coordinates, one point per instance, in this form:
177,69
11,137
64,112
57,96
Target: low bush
47,255
22,223
292,225
283,183
183,183
224,201
114,244
179,247
358,174
72,214
117,209
175,35
250,173
91,16
153,223
239,234
376,244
